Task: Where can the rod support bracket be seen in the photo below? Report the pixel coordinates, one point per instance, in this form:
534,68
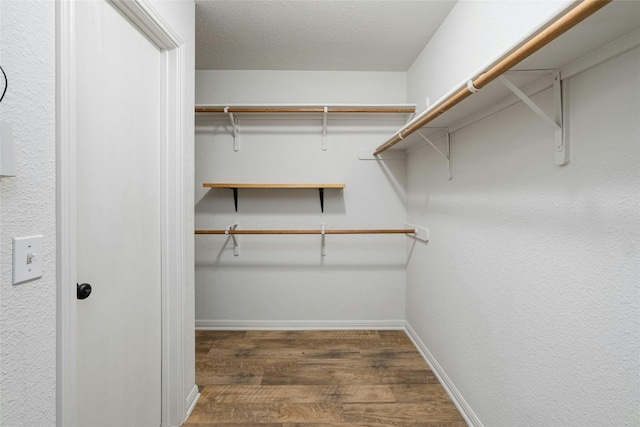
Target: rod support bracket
447,154
234,129
557,122
236,245
561,105
324,128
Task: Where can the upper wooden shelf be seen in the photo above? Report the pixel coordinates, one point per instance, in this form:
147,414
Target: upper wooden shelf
236,186
304,111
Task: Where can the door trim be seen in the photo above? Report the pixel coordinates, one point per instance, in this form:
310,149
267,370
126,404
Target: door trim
174,372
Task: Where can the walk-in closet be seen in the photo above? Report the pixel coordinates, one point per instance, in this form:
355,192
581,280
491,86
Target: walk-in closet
305,213
479,200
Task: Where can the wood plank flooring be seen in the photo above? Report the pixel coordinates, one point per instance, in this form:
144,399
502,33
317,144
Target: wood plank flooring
314,379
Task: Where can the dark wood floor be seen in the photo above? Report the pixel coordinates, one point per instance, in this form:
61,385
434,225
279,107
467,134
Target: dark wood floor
316,378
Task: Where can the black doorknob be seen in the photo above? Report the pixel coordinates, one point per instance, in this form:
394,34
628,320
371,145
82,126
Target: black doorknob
84,290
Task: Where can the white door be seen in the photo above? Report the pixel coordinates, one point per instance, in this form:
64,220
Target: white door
119,213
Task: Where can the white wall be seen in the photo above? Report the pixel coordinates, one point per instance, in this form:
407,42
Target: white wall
28,310
527,294
283,280
470,38
27,207
311,87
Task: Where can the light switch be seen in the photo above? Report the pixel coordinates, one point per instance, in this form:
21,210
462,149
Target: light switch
27,258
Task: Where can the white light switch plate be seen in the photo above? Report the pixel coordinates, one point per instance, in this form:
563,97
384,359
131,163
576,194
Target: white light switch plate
27,258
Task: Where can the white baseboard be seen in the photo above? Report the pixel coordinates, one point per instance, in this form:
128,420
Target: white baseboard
465,410
302,325
192,399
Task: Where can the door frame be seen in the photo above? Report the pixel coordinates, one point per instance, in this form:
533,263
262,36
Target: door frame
174,375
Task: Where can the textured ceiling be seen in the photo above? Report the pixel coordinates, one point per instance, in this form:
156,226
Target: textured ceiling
336,35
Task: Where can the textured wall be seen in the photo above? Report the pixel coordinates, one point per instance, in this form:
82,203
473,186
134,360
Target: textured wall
27,207
27,201
283,278
320,34
463,44
311,87
527,294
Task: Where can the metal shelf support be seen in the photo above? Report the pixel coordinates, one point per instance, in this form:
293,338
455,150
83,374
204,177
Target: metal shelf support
235,197
556,123
447,155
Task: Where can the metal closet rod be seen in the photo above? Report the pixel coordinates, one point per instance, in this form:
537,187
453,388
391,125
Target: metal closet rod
374,231
567,21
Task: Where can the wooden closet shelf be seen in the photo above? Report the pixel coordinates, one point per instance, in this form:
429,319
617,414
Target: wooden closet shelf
305,111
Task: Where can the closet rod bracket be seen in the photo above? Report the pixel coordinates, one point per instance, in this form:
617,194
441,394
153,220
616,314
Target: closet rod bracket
324,128
236,245
447,154
234,129
556,122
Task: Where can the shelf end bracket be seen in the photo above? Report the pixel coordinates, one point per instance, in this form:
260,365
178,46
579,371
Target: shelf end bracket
235,198
446,156
556,123
561,105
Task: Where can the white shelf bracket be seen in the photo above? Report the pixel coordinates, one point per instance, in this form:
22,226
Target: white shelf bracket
236,245
556,123
561,103
322,245
234,129
410,116
324,128
447,155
